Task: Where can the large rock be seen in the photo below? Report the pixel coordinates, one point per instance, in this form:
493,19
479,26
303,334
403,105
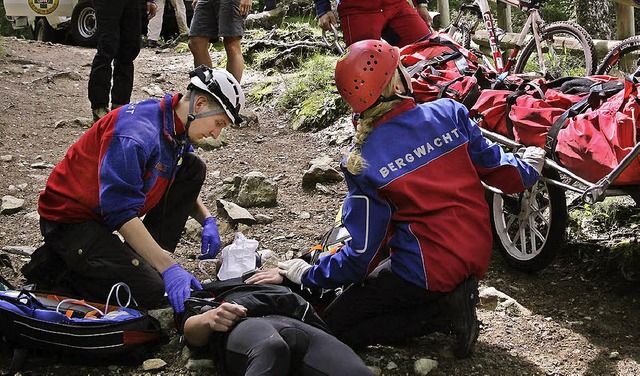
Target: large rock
257,190
320,173
234,212
11,205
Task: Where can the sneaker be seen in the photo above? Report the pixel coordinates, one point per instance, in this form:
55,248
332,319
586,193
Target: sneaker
152,43
99,113
461,303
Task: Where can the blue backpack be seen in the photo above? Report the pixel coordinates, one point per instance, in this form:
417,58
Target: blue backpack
52,324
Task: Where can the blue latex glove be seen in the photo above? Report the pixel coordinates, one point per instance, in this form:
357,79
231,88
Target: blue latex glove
210,239
177,284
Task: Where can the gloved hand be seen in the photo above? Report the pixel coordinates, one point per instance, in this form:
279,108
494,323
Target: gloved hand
534,156
294,269
210,239
177,284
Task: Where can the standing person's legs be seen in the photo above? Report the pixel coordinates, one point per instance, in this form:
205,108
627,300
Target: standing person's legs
403,25
385,309
231,29
181,16
108,14
235,61
166,220
204,26
155,24
357,27
96,259
130,31
254,347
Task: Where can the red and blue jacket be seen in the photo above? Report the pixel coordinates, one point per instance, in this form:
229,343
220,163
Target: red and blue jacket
120,168
421,195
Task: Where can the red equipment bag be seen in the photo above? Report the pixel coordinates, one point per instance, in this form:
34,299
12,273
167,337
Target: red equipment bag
441,68
534,107
592,144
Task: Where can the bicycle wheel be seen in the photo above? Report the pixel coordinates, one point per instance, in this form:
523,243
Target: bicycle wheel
529,227
567,50
623,59
462,36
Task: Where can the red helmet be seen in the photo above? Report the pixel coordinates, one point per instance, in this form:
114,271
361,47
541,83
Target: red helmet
364,71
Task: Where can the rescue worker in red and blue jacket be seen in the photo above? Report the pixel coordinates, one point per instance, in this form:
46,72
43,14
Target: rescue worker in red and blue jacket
136,161
415,193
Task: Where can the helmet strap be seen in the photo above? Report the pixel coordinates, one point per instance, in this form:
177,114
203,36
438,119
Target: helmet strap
191,116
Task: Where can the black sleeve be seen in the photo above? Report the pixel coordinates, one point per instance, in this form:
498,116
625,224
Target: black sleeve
194,306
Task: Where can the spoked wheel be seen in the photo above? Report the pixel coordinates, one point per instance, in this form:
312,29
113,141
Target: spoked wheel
529,227
623,59
567,50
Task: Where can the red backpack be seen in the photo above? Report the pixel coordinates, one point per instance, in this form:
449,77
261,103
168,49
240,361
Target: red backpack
441,68
593,143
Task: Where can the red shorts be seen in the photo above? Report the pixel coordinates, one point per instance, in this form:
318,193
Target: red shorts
395,21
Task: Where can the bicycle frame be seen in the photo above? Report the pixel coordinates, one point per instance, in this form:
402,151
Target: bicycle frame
482,9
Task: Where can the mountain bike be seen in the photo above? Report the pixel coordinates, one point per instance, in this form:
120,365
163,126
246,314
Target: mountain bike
553,50
623,59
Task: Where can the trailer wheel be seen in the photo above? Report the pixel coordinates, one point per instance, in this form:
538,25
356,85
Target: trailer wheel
84,27
529,227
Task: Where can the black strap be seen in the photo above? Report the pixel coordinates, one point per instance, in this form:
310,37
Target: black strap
552,136
433,62
598,93
511,100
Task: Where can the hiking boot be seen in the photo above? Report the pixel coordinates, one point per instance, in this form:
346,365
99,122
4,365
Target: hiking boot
461,303
99,113
152,43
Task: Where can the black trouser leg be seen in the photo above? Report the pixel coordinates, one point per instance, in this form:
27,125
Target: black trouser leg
123,71
94,259
108,18
166,220
384,309
255,347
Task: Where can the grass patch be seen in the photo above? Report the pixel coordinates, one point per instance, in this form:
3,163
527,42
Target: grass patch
311,94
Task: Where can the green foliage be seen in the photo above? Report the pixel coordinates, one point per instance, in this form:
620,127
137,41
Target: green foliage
7,30
613,224
314,84
261,92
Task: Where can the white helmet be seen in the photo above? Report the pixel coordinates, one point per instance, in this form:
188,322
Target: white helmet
223,86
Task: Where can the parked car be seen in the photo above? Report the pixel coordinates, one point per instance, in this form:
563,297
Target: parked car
71,20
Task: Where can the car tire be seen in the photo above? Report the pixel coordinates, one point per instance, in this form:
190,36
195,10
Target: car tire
84,26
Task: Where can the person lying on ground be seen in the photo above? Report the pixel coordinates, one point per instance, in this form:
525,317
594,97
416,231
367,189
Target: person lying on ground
268,338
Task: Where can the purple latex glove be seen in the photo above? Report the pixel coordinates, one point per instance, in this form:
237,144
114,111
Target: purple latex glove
177,284
210,239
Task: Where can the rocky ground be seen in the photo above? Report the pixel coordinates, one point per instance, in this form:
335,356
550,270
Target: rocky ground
577,317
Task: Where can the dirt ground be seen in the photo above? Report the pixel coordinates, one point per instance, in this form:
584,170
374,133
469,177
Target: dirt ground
584,319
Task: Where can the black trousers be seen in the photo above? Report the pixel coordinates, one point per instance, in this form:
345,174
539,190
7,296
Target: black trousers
385,309
119,28
278,345
86,259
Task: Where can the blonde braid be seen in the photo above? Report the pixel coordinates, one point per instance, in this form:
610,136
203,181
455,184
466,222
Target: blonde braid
355,162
